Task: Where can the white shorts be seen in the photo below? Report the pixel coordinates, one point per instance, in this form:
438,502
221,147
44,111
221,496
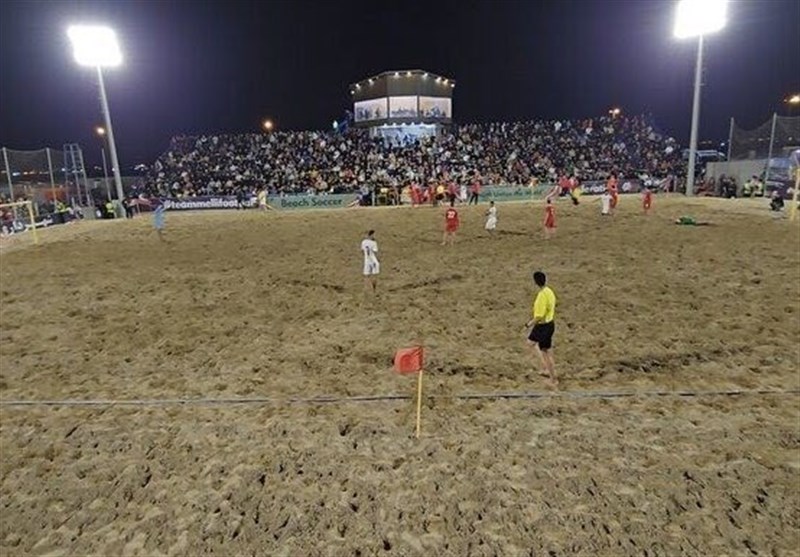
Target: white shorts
372,268
491,224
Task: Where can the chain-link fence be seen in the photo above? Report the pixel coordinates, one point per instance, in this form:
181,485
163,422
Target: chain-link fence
777,137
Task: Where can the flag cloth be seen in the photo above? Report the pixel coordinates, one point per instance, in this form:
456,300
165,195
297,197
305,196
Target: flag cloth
408,360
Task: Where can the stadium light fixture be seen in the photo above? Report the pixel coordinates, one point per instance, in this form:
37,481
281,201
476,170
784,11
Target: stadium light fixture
794,100
97,46
100,130
697,18
268,125
614,112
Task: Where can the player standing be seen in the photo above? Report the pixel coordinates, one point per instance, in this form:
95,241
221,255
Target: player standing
159,211
452,192
549,219
647,200
491,219
611,188
540,338
451,224
605,200
263,205
475,190
372,268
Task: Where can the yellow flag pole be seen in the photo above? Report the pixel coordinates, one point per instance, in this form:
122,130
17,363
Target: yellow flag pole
419,400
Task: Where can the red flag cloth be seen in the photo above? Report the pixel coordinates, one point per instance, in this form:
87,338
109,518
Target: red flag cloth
408,360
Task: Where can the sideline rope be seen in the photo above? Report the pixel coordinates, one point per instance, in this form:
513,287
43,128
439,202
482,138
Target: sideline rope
391,398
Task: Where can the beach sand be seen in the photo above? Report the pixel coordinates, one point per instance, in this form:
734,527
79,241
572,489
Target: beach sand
272,307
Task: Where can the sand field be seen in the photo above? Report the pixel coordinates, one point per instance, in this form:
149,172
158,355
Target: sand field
270,308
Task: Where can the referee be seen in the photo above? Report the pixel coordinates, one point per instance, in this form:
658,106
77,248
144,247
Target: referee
540,338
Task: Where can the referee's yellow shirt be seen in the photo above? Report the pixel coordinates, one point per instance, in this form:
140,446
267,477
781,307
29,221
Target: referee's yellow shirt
544,305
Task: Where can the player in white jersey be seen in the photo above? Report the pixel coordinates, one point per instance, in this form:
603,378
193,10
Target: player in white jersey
369,247
491,219
605,200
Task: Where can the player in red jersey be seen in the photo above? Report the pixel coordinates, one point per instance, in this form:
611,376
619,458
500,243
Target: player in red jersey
611,188
451,223
413,191
574,191
647,200
549,219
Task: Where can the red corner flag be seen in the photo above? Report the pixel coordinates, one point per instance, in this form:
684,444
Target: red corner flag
408,360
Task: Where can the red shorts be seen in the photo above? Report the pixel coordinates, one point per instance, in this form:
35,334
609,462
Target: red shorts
451,226
550,223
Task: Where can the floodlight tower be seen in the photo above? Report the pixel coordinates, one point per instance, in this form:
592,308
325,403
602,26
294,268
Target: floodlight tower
696,18
97,47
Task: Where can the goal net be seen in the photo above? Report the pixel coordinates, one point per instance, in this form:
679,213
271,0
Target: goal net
36,176
755,143
19,218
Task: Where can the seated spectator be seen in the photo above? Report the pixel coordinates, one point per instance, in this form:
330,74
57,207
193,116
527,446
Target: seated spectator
511,153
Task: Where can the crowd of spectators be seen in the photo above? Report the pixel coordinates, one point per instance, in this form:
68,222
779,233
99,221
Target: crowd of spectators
500,153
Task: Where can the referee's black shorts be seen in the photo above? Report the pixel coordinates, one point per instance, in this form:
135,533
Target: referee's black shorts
542,334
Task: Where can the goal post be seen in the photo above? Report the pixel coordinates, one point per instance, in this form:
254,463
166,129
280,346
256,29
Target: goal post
18,217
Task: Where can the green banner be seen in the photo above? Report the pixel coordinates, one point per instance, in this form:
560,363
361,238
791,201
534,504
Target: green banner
499,194
299,202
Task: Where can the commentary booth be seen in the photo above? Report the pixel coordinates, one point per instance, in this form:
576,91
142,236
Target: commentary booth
403,105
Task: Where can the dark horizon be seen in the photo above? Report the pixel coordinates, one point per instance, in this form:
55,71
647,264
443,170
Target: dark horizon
209,67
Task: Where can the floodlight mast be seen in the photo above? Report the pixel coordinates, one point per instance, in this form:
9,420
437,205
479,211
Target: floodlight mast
97,47
112,145
696,18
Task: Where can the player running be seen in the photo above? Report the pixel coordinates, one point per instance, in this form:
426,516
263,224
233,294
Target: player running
574,189
540,338
549,219
647,200
491,219
566,186
451,224
372,267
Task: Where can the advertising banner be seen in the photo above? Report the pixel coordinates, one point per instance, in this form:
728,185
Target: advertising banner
597,187
199,203
403,107
436,107
373,109
499,194
293,202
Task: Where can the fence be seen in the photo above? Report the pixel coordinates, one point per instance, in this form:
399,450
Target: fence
775,138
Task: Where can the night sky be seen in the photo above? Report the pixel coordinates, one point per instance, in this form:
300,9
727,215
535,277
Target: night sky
222,66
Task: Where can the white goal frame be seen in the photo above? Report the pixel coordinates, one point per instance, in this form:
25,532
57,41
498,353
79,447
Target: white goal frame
29,205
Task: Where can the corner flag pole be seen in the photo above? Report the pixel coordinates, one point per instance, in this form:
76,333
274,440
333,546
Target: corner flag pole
419,400
795,199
